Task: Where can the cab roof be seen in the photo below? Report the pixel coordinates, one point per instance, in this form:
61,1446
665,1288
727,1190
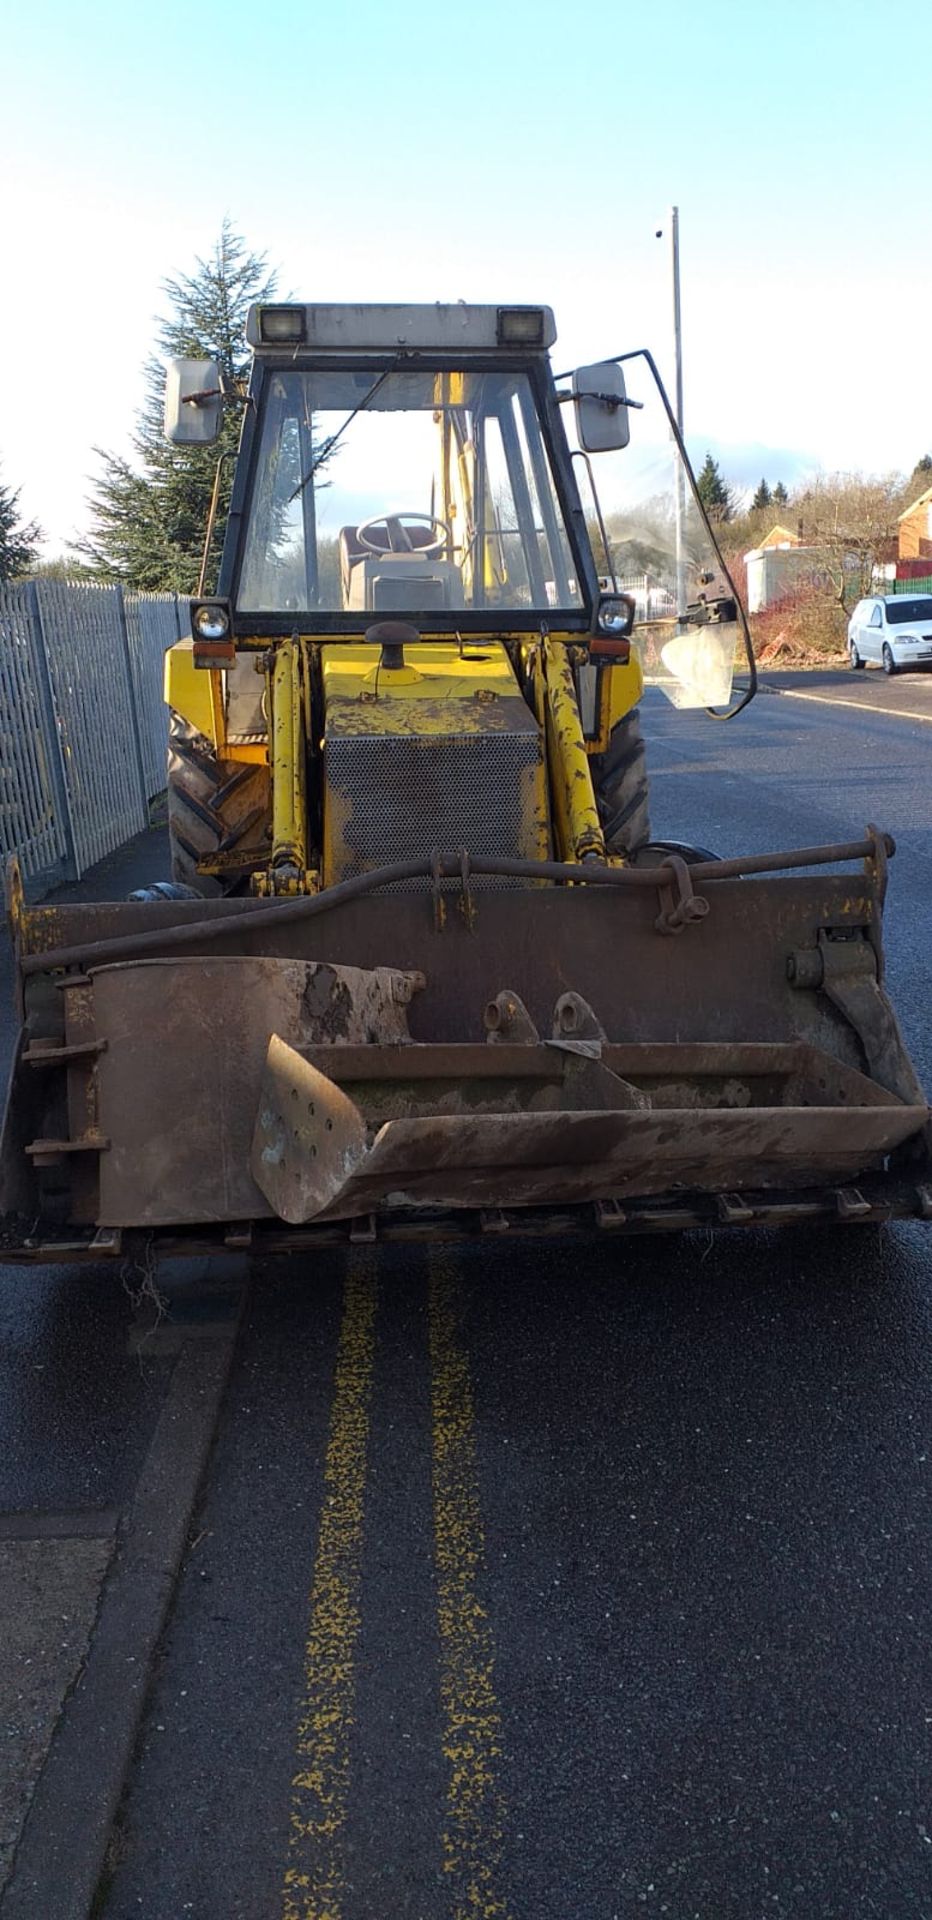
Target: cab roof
331,328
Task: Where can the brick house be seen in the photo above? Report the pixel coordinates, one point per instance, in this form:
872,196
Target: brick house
915,530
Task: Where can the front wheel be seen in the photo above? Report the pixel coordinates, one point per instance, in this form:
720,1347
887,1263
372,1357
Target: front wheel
889,664
854,656
657,851
215,807
619,777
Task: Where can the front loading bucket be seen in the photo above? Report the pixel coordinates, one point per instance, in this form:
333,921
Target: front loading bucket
557,1131
516,1058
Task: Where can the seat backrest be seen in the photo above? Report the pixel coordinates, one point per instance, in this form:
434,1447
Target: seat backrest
352,549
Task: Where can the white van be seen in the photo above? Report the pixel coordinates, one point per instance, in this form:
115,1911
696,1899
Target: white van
895,630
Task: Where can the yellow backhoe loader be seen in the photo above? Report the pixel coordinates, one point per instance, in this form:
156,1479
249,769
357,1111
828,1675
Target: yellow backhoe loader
421,969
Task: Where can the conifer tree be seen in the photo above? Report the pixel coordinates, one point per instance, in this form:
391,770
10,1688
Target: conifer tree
780,497
763,497
921,477
715,494
19,540
149,512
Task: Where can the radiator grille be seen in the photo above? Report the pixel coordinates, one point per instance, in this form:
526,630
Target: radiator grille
398,796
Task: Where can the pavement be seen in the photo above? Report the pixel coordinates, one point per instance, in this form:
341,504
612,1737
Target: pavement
526,1581
901,695
78,1405
49,1590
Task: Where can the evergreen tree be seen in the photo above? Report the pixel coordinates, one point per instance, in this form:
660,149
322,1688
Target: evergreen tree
19,540
920,480
715,495
780,497
62,567
763,497
149,513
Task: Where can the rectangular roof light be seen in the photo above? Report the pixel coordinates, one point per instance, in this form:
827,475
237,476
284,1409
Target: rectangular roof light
287,325
520,327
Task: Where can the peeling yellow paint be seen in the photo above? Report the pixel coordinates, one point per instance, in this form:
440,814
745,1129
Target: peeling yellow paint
314,1877
473,1837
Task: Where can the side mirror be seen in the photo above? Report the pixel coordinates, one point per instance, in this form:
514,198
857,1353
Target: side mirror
601,411
193,403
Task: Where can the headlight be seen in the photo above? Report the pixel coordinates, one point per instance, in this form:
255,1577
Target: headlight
615,614
210,619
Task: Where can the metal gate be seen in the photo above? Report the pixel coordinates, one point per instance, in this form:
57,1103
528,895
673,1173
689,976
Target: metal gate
82,721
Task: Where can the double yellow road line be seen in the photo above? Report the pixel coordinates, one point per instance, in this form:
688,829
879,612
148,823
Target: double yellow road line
313,1887
472,1840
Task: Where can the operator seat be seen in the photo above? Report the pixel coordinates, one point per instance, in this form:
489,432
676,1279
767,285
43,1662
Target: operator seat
352,549
379,576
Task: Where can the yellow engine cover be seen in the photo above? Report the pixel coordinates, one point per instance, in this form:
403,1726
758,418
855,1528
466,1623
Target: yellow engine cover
442,753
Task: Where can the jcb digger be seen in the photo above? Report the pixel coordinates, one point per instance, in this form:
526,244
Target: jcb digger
421,969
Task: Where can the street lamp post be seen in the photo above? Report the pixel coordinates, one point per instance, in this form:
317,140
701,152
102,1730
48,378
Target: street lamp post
679,478
679,491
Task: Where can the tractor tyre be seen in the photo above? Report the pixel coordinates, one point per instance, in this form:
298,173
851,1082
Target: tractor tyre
212,806
619,776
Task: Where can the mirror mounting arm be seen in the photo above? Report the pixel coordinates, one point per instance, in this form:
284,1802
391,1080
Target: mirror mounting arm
201,399
611,400
748,692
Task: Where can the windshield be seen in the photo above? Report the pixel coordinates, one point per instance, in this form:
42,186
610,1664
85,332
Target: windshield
899,611
404,491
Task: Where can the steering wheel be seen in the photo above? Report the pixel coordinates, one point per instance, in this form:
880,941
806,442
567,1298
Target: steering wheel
399,540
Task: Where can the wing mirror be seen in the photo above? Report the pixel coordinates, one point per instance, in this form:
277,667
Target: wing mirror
601,406
193,403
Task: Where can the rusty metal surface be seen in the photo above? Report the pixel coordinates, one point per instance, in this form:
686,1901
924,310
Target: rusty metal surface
850,981
309,1138
674,1074
176,1088
559,1158
598,942
45,943
179,1080
888,1198
181,1112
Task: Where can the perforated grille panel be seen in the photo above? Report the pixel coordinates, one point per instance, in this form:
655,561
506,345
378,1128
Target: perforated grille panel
399,796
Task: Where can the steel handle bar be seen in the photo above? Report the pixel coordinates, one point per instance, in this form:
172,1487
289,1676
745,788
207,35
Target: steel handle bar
446,866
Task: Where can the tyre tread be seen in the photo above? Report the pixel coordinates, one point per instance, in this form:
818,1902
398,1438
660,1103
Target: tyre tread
620,780
198,786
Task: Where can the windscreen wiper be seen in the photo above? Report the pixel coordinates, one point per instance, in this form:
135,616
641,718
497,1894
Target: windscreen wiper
328,446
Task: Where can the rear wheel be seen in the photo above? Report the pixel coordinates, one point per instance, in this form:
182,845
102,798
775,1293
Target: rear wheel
214,807
889,664
619,776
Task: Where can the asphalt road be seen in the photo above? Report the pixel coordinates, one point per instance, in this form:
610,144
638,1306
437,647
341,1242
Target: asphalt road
547,1583
907,695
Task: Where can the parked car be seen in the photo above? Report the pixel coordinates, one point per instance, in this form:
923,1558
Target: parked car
895,629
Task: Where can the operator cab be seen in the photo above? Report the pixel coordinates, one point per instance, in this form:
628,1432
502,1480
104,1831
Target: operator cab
414,462
406,461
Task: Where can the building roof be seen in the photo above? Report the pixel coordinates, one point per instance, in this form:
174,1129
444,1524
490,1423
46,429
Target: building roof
780,537
922,500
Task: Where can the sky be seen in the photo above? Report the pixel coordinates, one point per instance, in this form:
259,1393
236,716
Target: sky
507,151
